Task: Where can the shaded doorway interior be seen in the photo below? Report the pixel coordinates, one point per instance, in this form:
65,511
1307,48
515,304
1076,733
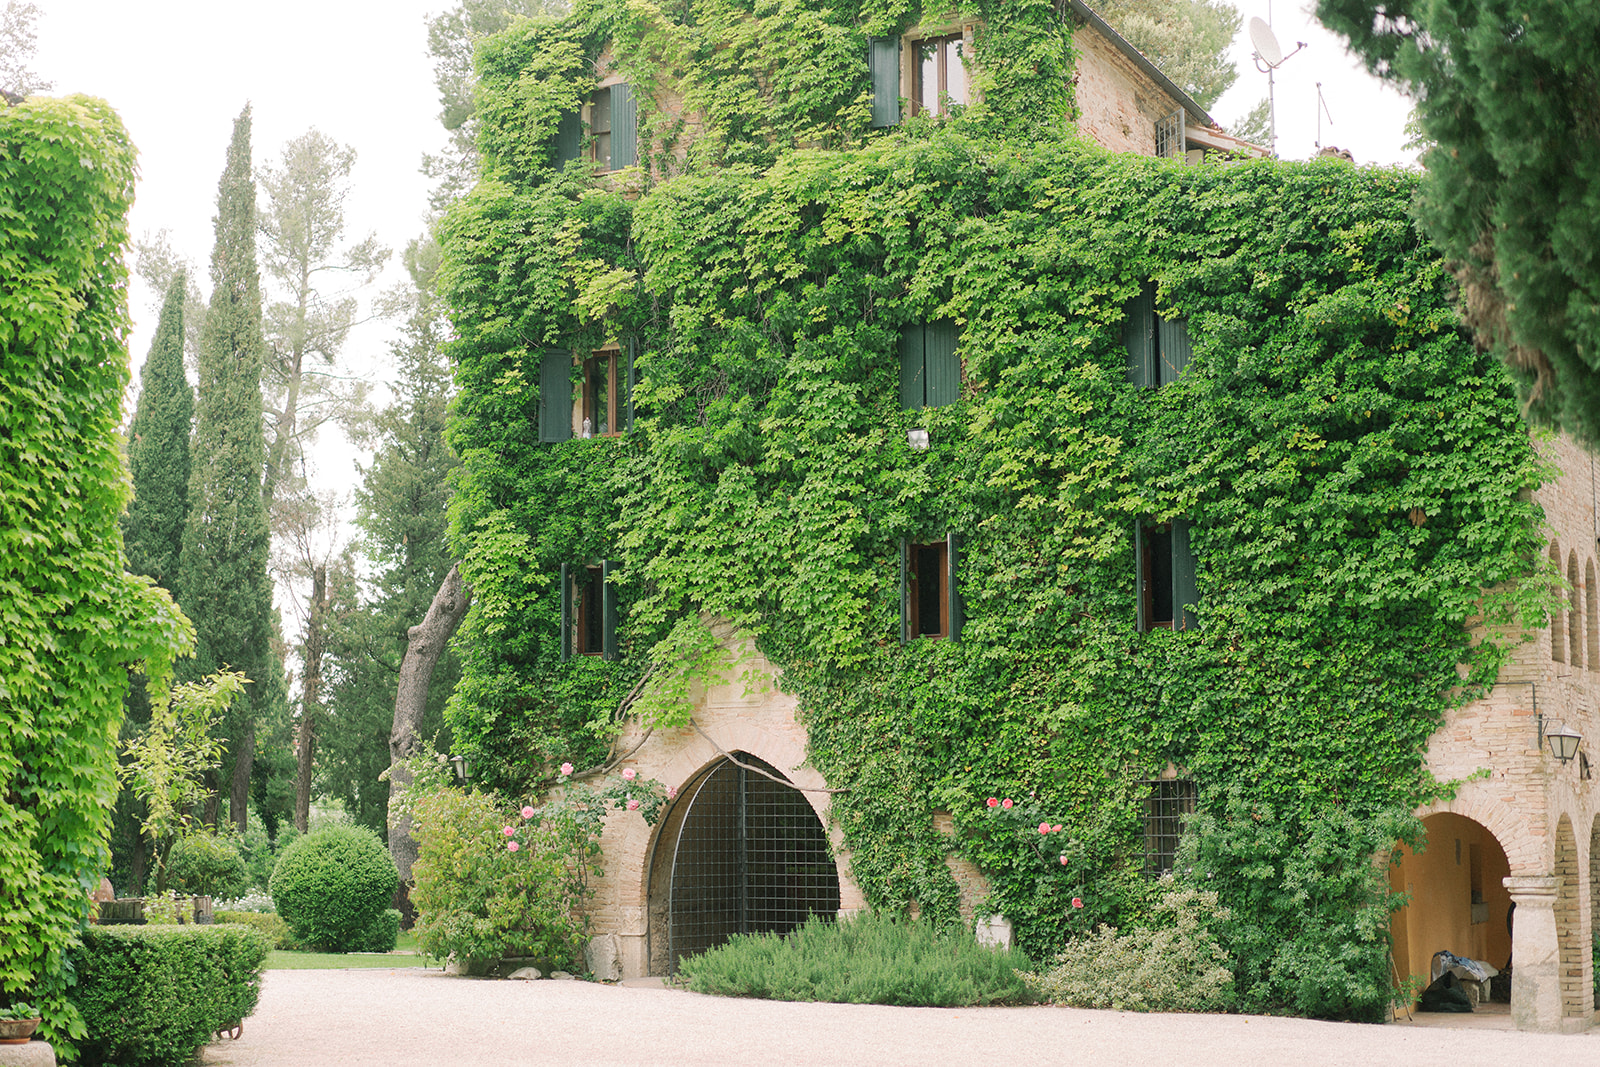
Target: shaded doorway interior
738,853
1459,902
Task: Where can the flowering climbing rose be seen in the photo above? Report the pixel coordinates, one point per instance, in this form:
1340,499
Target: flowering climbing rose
630,774
511,846
633,804
1044,828
672,791
993,803
1006,803
566,768
1063,859
508,831
527,812
1076,902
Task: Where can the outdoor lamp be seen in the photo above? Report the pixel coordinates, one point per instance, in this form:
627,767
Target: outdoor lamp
464,768
1564,741
917,439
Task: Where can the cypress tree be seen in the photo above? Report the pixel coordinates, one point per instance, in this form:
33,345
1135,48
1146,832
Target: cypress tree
222,574
158,451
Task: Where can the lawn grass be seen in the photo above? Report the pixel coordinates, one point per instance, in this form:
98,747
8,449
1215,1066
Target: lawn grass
405,955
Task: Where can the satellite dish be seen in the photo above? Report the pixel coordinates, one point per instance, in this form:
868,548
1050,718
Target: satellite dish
1266,42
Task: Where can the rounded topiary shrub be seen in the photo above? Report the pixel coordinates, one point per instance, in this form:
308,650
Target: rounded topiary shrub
332,885
208,865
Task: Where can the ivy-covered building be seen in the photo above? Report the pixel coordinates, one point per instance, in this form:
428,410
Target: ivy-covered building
978,486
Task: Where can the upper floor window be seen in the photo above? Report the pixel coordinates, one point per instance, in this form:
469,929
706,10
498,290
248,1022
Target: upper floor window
1166,577
938,75
1158,348
588,611
605,406
930,602
930,370
603,387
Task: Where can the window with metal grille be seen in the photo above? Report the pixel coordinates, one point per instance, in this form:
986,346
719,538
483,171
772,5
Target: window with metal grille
1167,802
1169,135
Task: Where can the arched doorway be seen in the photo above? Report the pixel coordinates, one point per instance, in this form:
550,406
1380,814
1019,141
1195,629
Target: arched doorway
739,852
1459,902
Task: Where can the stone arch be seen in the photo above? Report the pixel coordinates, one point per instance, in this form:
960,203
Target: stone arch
1591,617
1524,851
739,851
1558,630
1458,900
1575,628
1576,992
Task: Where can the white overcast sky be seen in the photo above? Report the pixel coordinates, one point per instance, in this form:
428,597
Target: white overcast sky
179,71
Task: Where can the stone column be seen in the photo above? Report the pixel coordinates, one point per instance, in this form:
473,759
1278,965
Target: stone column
1535,955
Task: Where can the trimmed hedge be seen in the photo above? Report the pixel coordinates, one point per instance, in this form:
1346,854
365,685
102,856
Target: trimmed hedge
381,935
332,885
152,995
268,922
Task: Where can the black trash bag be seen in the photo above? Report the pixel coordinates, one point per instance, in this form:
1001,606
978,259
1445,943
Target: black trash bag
1445,994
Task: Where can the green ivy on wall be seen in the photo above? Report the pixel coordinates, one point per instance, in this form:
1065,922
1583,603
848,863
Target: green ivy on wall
72,620
1356,477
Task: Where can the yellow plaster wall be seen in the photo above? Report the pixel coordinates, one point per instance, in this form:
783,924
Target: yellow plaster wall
1440,913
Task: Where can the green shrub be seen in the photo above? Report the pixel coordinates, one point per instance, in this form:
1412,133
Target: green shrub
152,995
269,923
1174,965
872,959
381,935
208,865
332,884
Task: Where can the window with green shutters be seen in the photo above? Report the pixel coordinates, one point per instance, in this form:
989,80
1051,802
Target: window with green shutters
1167,594
555,397
613,127
883,62
930,369
588,611
1158,348
569,137
930,597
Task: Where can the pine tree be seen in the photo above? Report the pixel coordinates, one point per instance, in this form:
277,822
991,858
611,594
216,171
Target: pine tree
1505,93
158,451
222,576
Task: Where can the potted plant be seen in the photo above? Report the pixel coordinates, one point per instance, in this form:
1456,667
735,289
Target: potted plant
17,1024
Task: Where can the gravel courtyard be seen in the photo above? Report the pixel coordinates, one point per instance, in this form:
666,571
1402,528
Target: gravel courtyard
357,1018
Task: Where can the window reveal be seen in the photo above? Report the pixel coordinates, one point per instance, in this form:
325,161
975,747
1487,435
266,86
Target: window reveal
930,600
939,77
588,611
601,391
1165,577
1158,348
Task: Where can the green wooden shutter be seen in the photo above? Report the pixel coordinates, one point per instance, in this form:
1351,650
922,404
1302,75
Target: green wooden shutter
912,379
569,137
608,612
1173,338
624,127
952,590
627,384
1184,593
555,397
883,61
566,614
905,593
1140,579
1138,333
941,365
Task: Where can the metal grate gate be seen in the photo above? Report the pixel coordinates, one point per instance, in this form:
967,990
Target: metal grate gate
750,857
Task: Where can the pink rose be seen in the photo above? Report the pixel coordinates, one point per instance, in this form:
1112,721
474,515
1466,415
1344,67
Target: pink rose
630,774
1077,903
566,768
672,791
1044,828
1006,803
527,812
633,804
511,846
993,803
1056,829
508,831
1063,859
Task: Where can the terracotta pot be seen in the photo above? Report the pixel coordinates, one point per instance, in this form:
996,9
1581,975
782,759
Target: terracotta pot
17,1031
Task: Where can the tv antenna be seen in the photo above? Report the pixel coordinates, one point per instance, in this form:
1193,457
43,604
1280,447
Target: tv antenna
1322,108
1269,57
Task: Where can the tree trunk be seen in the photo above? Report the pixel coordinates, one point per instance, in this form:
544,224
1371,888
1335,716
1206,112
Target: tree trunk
311,697
239,801
425,643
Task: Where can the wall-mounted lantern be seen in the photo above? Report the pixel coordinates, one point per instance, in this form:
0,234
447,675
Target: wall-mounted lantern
1562,739
917,439
463,767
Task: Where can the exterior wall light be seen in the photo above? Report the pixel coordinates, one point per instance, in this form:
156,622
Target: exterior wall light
1563,741
463,767
917,439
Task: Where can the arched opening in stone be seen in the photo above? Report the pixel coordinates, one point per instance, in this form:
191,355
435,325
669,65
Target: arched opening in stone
736,853
1459,902
1576,991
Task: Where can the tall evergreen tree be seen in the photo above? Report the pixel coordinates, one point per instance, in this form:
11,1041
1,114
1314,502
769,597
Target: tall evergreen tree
158,450
222,574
